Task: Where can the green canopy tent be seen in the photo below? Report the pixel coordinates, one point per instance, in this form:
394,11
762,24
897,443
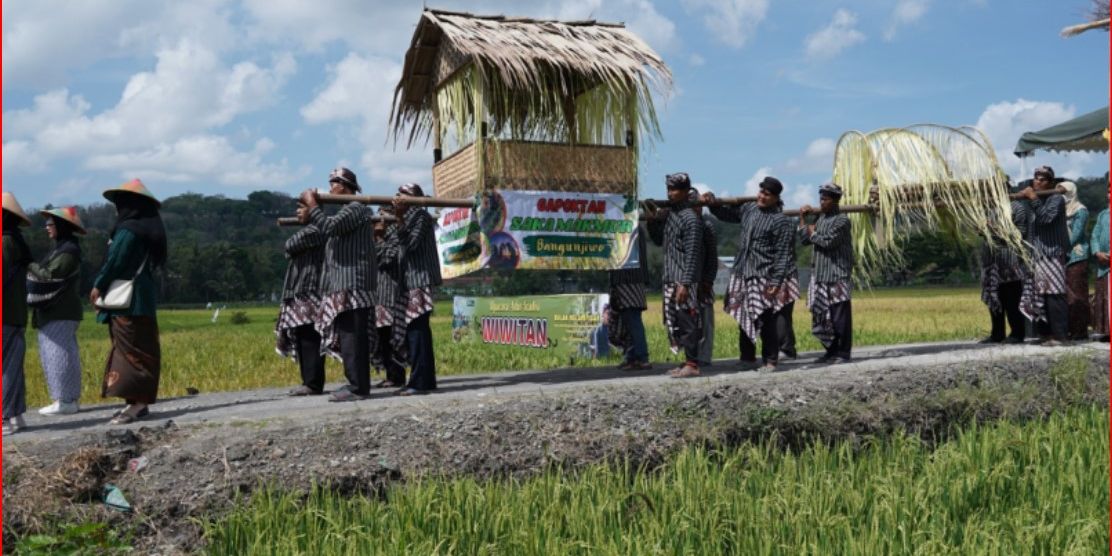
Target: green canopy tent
1083,133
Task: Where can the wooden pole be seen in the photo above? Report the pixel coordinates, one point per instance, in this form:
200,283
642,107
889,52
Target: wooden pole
293,221
328,198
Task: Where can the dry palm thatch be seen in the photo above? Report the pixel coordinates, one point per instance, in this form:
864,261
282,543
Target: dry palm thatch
1098,19
927,177
575,82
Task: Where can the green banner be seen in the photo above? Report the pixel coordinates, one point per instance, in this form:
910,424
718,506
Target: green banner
570,324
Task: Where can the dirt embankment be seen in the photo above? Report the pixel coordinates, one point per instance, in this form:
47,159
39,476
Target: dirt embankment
198,471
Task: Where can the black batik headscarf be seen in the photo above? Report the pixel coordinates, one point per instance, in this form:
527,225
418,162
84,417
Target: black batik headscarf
139,215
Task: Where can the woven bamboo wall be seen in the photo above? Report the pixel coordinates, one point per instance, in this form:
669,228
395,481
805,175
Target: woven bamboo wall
535,166
455,176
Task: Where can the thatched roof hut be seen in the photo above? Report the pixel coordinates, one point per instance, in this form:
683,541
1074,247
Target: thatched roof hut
487,86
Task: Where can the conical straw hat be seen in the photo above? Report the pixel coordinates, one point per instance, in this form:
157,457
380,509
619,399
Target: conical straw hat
11,205
135,187
69,214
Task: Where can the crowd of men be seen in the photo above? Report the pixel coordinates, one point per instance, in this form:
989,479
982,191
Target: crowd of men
359,287
763,285
1045,285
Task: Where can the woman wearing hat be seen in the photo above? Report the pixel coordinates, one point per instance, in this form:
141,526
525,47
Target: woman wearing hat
56,309
136,247
16,258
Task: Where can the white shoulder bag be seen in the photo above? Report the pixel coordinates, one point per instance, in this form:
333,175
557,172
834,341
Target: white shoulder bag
119,292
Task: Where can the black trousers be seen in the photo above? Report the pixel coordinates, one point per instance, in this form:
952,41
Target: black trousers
842,315
1010,294
418,337
395,372
309,358
1058,315
770,340
353,328
785,330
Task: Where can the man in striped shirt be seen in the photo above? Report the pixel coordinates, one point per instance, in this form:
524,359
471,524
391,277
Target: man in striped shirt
828,294
706,287
347,285
297,335
389,354
1003,276
678,229
627,301
420,274
1050,242
761,283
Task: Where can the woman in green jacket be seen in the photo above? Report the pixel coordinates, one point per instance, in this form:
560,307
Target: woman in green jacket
57,313
136,247
16,257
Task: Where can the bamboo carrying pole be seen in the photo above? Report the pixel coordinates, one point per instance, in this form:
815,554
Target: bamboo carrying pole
293,221
328,198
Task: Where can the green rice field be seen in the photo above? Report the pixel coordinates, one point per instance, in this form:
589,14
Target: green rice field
222,356
999,488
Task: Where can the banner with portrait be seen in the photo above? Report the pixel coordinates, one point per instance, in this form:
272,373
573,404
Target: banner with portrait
539,230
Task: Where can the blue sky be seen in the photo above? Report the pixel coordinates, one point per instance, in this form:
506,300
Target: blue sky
229,97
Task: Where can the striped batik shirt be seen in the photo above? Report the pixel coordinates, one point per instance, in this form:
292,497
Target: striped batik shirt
999,253
710,252
627,285
682,238
832,256
305,252
767,242
420,263
388,253
349,255
1050,234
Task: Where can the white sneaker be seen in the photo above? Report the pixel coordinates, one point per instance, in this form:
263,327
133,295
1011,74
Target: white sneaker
14,425
60,408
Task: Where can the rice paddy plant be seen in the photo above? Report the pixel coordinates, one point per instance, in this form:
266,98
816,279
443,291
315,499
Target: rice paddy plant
1001,488
222,356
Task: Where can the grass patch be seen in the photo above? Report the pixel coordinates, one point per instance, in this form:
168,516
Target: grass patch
1001,488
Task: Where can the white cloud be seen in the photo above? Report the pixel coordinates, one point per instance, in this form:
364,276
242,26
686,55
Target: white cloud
831,40
797,195
905,13
818,157
732,22
189,91
380,29
359,95
752,185
697,60
1004,122
45,39
201,158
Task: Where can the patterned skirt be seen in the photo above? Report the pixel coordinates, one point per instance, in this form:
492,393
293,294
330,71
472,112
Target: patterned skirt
406,308
300,310
1048,278
61,361
746,300
628,296
681,320
331,306
820,297
992,276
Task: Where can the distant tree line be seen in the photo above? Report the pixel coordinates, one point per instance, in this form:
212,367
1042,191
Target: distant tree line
229,250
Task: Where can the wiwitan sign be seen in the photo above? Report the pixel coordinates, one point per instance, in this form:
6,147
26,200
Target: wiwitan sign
539,230
571,325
